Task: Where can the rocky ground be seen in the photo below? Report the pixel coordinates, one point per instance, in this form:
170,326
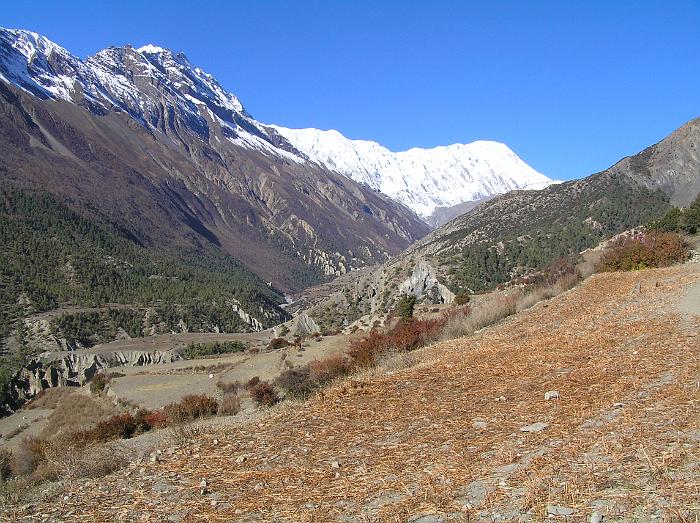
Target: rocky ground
583,408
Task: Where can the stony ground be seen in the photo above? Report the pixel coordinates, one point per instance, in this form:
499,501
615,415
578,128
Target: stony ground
466,436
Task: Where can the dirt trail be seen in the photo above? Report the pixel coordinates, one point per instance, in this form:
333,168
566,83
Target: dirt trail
690,303
444,441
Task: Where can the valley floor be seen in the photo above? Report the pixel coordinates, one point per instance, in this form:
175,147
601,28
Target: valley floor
444,440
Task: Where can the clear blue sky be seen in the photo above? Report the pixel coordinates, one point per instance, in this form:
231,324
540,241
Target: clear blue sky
570,86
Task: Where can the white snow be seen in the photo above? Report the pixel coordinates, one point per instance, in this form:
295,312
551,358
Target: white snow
422,179
150,48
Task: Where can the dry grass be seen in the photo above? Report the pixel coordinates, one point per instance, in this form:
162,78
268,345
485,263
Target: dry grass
411,433
75,412
49,398
230,404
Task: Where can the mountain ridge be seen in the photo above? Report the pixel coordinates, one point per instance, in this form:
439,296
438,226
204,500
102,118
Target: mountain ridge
422,179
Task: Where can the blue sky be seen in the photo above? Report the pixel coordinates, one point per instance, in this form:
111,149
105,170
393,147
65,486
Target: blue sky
570,86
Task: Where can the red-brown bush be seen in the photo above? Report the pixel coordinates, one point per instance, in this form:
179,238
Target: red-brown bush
641,251
264,394
157,419
408,335
327,369
252,382
191,407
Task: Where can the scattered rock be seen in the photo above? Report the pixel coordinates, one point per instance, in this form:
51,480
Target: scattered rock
427,518
335,465
551,395
241,459
479,424
203,487
535,427
501,398
556,510
596,517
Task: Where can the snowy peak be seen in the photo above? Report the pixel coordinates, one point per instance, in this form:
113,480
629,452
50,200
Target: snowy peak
163,91
422,179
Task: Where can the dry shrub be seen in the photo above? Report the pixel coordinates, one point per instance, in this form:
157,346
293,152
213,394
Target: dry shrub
5,464
68,459
328,369
75,412
191,407
99,383
644,250
396,361
264,394
49,398
230,405
27,457
494,309
406,336
297,382
252,382
228,388
277,343
186,432
156,419
119,426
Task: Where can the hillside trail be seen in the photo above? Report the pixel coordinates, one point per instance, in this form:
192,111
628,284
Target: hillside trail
467,435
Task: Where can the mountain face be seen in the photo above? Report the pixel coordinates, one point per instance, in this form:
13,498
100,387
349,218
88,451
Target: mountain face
522,231
146,142
421,179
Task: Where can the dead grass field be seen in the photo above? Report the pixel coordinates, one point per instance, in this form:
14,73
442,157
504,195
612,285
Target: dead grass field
442,441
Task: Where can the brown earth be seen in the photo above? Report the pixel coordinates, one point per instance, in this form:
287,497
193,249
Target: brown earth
443,440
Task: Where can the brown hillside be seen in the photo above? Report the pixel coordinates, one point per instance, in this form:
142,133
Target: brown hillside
443,440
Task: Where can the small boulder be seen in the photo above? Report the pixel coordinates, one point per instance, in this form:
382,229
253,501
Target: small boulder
556,510
535,427
551,395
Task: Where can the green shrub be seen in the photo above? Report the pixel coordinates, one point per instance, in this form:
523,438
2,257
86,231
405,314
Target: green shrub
98,383
462,298
202,350
405,305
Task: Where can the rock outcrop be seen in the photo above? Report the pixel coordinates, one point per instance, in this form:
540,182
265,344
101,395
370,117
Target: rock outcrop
74,369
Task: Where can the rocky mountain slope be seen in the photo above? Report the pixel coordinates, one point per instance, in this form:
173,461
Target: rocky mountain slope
142,139
517,233
467,434
422,179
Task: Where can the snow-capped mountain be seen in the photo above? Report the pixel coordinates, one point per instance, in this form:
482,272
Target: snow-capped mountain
151,82
148,83
154,145
421,179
